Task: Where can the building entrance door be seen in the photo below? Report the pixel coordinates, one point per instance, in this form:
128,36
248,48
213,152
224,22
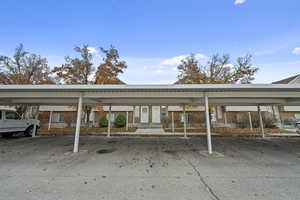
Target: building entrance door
144,114
155,114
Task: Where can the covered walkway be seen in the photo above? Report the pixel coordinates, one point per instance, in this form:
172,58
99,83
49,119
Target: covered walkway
113,95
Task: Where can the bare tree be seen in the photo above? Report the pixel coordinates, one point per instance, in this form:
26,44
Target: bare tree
218,70
24,68
76,70
112,66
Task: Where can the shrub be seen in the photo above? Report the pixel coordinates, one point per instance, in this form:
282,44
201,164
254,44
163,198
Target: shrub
196,119
103,122
268,121
243,121
120,121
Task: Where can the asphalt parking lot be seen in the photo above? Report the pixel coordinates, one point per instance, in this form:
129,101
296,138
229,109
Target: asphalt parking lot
148,168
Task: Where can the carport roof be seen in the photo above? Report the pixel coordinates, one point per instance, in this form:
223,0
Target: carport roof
194,87
191,94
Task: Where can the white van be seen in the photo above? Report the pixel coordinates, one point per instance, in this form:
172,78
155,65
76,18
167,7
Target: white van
298,127
11,122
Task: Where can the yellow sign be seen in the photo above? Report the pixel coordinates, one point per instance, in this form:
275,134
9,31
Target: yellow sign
188,107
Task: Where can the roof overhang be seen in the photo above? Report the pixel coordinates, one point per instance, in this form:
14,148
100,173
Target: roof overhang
192,94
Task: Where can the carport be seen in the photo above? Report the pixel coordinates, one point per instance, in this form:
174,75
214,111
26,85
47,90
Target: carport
131,95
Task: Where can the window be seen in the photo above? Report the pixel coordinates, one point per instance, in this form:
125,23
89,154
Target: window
0,114
56,117
164,111
11,115
144,110
297,116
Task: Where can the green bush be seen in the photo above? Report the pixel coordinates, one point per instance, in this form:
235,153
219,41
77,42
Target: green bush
120,121
103,122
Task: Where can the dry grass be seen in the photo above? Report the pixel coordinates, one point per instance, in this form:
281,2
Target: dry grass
101,131
83,131
230,131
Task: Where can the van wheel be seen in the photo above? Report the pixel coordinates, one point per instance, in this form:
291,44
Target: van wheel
29,131
7,135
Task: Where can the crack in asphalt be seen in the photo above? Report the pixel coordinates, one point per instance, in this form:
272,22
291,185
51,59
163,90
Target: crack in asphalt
209,189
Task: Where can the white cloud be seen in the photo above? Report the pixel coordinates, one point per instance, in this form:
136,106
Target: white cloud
93,50
55,60
149,70
177,60
236,2
154,70
296,51
231,66
159,71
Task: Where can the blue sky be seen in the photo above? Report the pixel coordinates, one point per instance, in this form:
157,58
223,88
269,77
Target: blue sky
152,35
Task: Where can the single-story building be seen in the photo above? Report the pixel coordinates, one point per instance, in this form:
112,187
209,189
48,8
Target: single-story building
143,115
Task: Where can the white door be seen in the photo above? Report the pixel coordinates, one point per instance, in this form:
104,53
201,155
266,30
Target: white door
155,114
144,114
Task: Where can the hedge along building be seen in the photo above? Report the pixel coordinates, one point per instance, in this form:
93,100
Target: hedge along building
170,95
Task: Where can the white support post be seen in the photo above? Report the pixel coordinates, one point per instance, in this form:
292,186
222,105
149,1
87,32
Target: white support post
167,110
78,124
109,123
261,122
133,116
276,112
35,124
173,126
140,113
273,112
94,118
279,117
127,121
250,121
50,120
184,122
209,146
225,118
